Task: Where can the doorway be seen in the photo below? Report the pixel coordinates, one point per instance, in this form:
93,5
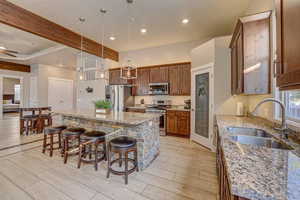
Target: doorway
202,106
60,94
11,91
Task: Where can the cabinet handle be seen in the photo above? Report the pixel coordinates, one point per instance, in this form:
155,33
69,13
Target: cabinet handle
277,67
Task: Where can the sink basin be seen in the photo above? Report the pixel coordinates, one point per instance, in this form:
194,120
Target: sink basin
249,132
261,142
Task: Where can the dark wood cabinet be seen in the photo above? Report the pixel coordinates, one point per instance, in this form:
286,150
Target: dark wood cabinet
178,123
141,84
180,79
178,76
251,55
287,65
115,78
159,75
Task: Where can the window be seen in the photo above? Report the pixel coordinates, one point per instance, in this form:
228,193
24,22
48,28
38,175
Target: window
291,99
17,94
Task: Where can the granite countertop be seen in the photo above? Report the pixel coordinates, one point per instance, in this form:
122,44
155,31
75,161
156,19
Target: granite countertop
123,118
173,107
257,172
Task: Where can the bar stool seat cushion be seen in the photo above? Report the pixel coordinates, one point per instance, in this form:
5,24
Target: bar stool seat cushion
94,135
49,130
123,142
73,131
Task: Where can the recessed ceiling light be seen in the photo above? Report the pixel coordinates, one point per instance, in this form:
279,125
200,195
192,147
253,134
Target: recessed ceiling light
112,38
3,48
185,21
143,30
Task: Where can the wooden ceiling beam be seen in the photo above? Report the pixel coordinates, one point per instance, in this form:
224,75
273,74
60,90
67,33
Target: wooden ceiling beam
14,66
13,15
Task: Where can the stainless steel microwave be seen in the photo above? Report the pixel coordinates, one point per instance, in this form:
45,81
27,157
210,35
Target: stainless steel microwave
159,88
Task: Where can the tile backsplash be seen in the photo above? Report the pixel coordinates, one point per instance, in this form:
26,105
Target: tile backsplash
176,100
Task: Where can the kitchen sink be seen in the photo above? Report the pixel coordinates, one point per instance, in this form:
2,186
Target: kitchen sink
249,132
261,142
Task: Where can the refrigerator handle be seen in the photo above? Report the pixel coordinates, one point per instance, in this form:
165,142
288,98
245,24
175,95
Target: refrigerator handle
113,99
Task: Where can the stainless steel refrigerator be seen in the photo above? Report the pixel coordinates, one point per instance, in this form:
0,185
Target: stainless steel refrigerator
119,96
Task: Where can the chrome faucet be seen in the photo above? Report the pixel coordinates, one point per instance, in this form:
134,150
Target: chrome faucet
283,127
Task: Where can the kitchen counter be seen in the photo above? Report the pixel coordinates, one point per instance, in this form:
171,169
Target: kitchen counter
178,108
117,118
142,126
257,172
173,107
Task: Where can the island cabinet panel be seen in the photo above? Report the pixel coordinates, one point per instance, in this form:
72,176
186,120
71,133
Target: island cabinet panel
141,84
224,185
288,44
159,75
251,55
180,79
178,123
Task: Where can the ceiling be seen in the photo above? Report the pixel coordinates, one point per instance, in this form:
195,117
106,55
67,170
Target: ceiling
208,18
22,42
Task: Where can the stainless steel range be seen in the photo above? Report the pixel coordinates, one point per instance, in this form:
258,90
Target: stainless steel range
160,106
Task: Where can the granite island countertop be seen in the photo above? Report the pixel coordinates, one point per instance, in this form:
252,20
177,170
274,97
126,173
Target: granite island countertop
257,172
121,118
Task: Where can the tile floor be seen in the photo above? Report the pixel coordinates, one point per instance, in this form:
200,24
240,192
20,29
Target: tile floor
182,171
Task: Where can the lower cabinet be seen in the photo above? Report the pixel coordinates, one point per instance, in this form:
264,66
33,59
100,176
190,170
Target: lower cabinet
178,123
224,185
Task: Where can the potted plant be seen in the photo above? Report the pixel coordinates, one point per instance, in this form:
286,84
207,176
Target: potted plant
102,107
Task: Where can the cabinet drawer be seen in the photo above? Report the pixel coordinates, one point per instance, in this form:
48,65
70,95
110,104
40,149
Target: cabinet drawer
183,113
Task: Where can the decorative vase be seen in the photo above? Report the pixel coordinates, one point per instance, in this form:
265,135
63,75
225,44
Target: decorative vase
102,111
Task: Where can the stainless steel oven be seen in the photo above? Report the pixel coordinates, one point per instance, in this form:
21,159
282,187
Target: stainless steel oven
158,88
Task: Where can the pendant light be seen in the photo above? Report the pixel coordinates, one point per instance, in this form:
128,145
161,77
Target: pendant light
101,71
128,70
81,62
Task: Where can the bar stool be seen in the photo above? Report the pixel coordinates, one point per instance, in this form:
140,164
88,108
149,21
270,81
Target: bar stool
51,131
89,146
70,135
28,121
123,146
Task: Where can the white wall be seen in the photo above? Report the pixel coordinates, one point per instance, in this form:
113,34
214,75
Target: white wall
203,54
43,72
85,99
179,52
257,6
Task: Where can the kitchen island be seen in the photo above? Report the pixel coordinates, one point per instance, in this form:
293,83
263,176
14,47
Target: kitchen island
142,126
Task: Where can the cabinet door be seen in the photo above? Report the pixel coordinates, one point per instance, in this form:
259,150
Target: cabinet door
183,123
159,75
234,83
114,76
143,82
240,63
185,79
288,14
174,80
257,57
155,75
172,122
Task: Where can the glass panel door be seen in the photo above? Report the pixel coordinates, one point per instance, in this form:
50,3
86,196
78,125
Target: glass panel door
202,105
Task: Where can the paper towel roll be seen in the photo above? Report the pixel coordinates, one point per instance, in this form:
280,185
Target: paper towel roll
240,109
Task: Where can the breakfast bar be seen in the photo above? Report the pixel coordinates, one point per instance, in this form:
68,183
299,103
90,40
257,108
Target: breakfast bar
143,127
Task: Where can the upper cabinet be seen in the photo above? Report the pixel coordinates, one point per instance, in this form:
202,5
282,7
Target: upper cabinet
159,75
178,76
115,78
251,55
287,65
180,79
141,84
